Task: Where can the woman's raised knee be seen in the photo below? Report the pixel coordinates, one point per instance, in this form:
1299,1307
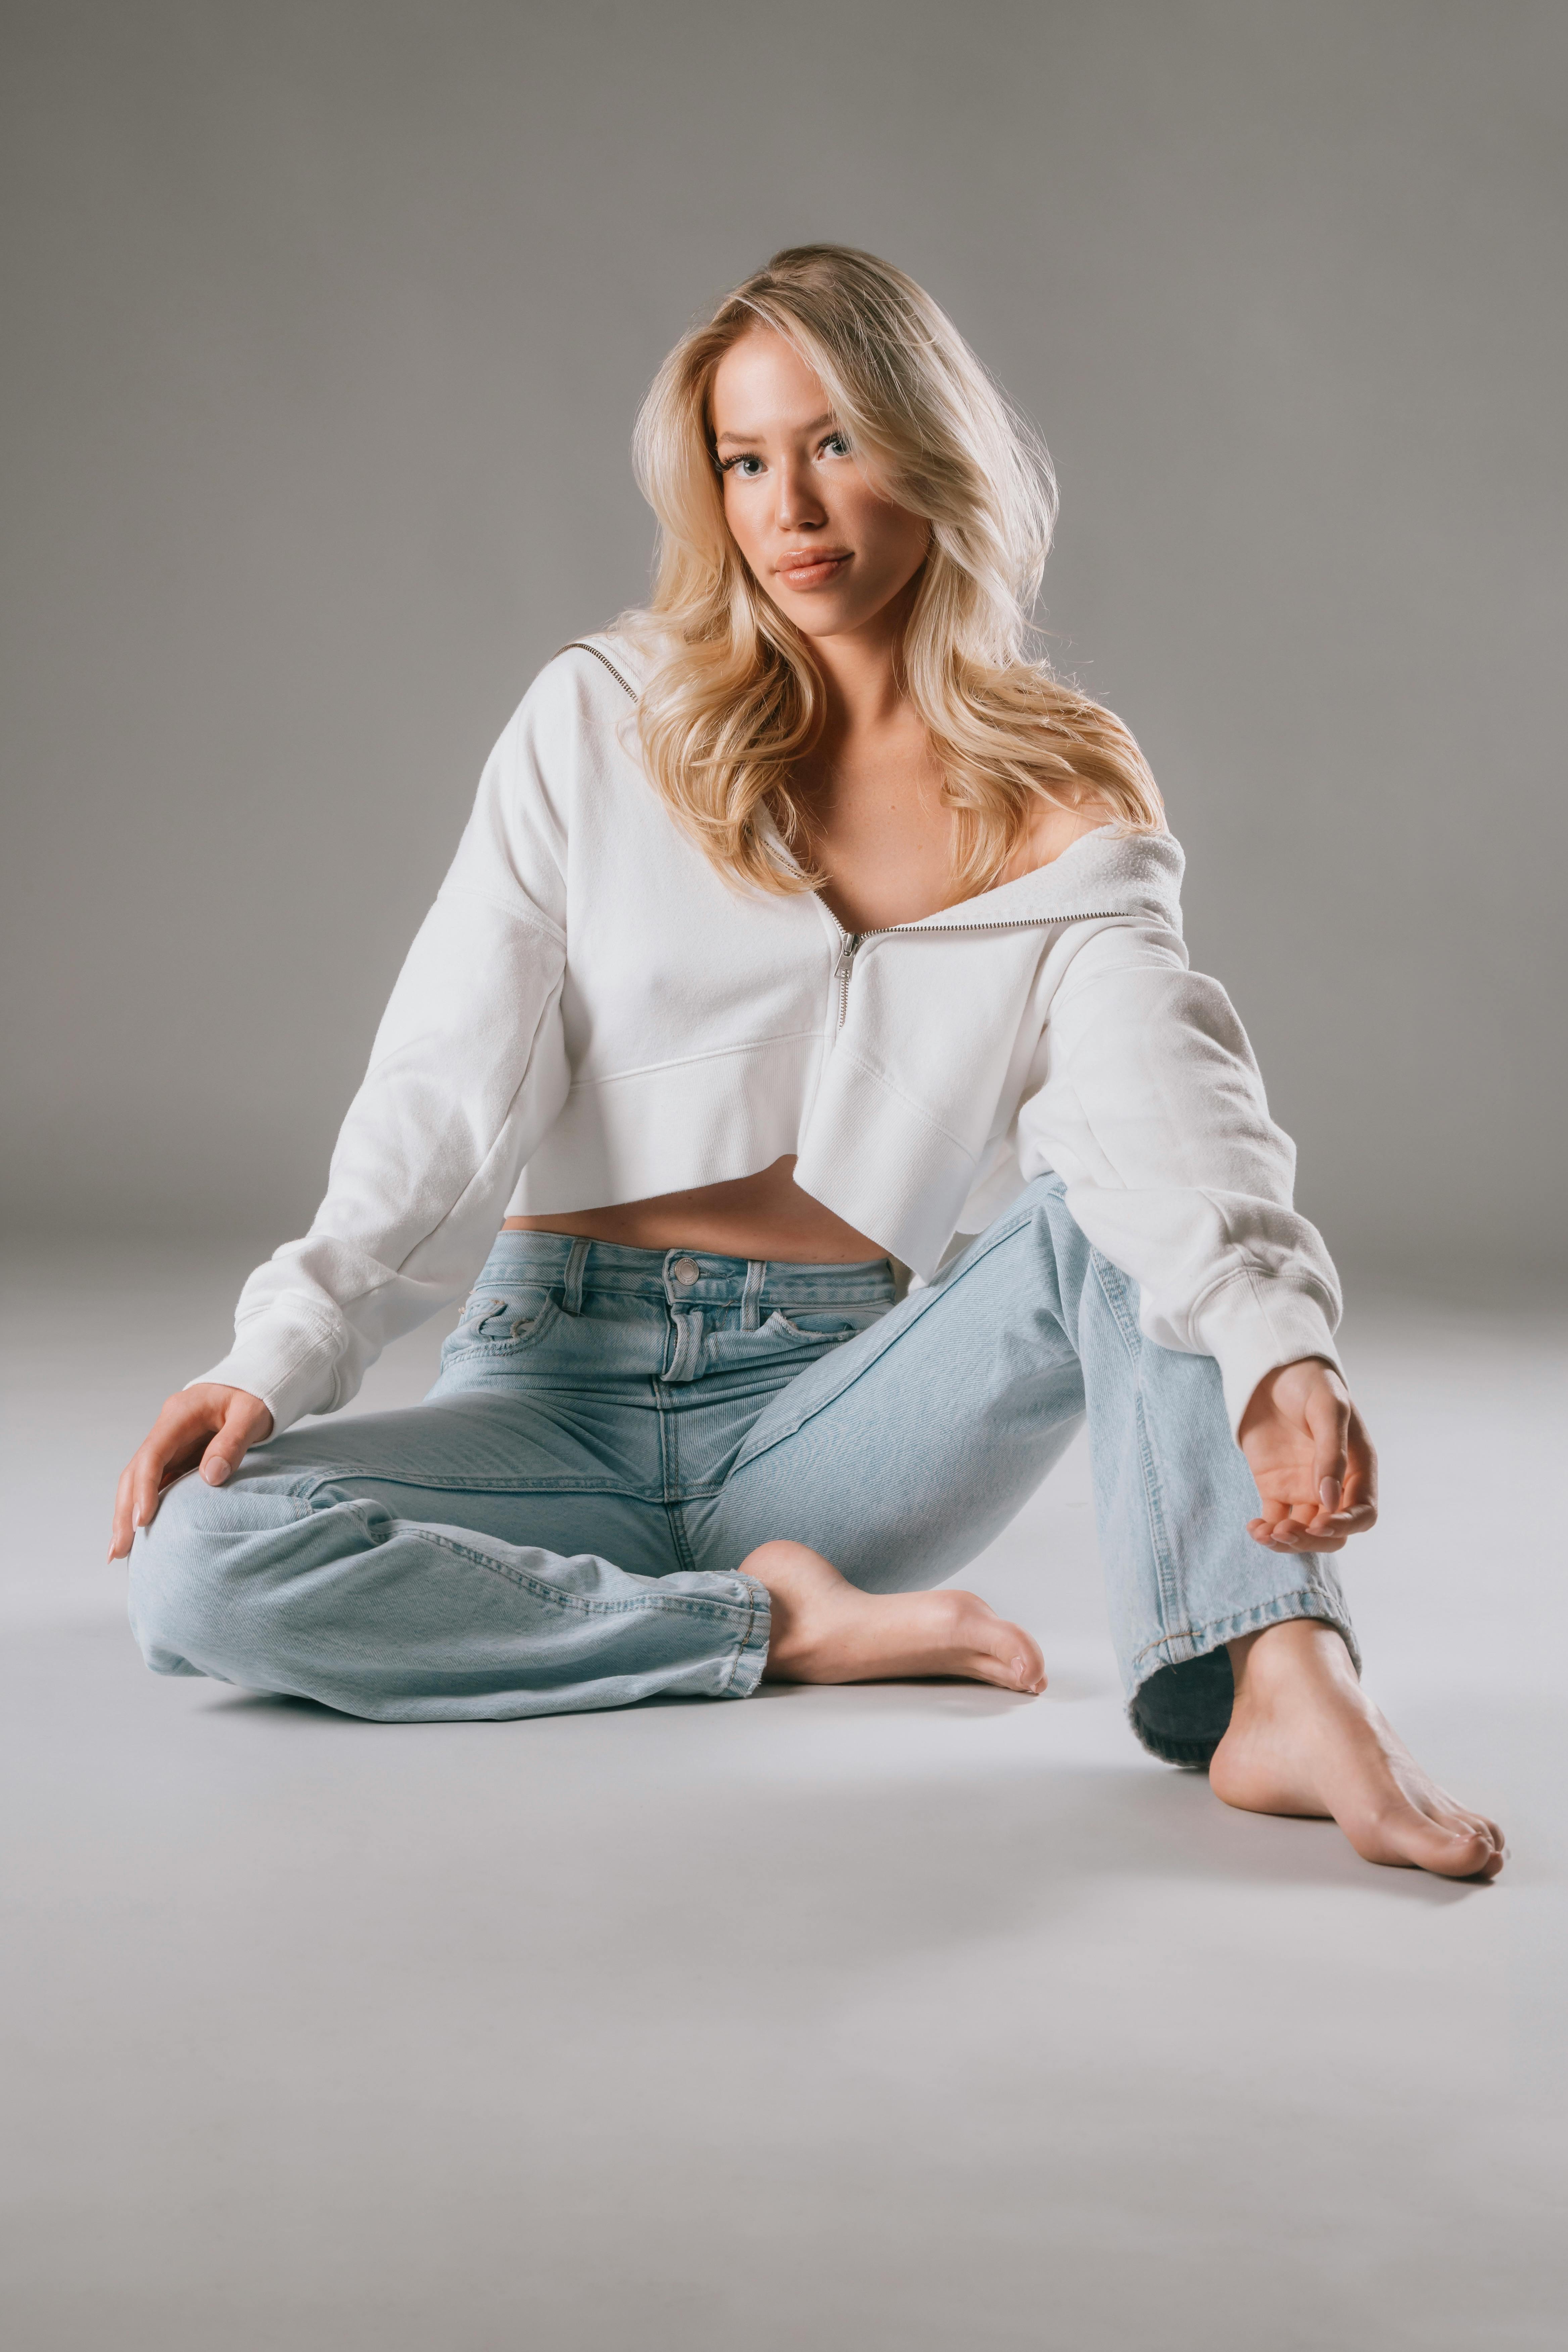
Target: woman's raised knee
199,1569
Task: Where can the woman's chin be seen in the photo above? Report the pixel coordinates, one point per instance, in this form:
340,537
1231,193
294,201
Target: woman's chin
824,613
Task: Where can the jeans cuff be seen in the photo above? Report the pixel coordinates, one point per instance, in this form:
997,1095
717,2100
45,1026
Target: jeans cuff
1181,1710
752,1654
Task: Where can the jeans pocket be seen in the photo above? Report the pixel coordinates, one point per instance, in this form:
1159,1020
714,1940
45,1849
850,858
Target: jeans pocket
503,1324
817,1328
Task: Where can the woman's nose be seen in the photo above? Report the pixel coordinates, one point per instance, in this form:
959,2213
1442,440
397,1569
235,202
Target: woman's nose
799,507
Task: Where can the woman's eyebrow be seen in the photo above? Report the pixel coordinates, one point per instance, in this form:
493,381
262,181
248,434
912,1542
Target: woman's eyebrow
815,426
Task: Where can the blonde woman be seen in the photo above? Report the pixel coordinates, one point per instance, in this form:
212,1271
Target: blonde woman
801,1073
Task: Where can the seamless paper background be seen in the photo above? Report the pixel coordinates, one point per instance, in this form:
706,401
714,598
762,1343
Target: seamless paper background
325,326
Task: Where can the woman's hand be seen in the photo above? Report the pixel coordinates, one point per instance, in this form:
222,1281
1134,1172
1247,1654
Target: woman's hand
215,1426
1311,1458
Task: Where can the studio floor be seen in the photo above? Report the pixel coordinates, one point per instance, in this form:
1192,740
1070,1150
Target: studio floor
908,2017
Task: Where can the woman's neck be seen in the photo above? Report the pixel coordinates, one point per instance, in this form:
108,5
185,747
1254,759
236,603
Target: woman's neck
860,674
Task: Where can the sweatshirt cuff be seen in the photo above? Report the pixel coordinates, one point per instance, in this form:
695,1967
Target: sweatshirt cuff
1252,1325
292,1373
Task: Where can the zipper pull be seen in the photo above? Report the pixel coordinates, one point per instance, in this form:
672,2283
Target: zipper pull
843,969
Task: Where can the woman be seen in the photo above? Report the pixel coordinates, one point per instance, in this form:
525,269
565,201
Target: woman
806,1007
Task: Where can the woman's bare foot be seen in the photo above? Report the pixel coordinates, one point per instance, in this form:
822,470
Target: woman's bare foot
1304,1739
826,1630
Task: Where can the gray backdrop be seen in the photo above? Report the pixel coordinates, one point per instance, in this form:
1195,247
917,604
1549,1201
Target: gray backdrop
325,327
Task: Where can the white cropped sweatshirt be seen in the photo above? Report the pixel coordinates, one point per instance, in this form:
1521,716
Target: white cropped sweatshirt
589,1015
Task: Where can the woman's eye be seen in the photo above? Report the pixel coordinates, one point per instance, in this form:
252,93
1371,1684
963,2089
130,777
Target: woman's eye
836,445
747,465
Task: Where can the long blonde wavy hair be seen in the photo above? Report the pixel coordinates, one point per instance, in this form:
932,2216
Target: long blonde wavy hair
734,699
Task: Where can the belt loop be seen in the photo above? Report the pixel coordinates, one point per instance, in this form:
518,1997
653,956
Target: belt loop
750,1297
572,1292
682,1359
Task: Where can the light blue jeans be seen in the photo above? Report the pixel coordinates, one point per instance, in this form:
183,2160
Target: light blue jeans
561,1524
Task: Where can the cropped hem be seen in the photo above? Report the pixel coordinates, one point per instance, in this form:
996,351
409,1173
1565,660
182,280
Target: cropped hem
751,1651
1194,1749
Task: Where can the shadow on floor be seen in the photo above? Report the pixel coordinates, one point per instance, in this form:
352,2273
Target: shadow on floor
823,1816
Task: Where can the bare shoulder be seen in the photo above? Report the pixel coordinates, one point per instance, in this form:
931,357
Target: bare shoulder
1053,830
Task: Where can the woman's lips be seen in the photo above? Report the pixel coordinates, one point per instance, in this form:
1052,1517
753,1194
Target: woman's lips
809,570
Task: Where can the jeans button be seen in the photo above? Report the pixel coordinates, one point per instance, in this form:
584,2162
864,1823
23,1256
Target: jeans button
685,1270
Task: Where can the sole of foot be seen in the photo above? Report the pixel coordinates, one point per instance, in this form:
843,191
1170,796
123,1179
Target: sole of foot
826,1630
1304,1739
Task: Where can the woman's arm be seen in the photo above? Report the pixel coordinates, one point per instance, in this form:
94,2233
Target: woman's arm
1152,1110
467,1070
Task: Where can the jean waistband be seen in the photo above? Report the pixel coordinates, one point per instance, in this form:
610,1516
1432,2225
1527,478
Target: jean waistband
699,1276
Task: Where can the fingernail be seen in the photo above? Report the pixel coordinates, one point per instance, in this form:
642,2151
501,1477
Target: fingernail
1329,1493
214,1473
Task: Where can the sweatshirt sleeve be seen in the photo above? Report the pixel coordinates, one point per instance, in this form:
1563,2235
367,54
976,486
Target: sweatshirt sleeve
1152,1111
468,1071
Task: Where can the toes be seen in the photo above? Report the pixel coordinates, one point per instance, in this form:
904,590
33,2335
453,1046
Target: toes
1488,1860
1024,1663
1460,1823
1470,1854
1014,1673
1416,1835
1007,1655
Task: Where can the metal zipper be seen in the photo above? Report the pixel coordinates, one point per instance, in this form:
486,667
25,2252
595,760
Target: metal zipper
581,646
855,940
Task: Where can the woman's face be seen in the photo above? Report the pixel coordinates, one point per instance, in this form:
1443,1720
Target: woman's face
829,549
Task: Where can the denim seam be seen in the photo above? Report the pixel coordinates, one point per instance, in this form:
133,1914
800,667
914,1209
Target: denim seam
1276,1610
779,1321
335,1473
1112,1289
681,1366
677,1604
744,1645
924,1300
1153,1501
300,1490
670,1473
832,1285
541,1587
298,1502
675,1516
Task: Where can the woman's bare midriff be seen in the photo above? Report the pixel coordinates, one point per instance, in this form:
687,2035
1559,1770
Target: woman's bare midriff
761,1216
